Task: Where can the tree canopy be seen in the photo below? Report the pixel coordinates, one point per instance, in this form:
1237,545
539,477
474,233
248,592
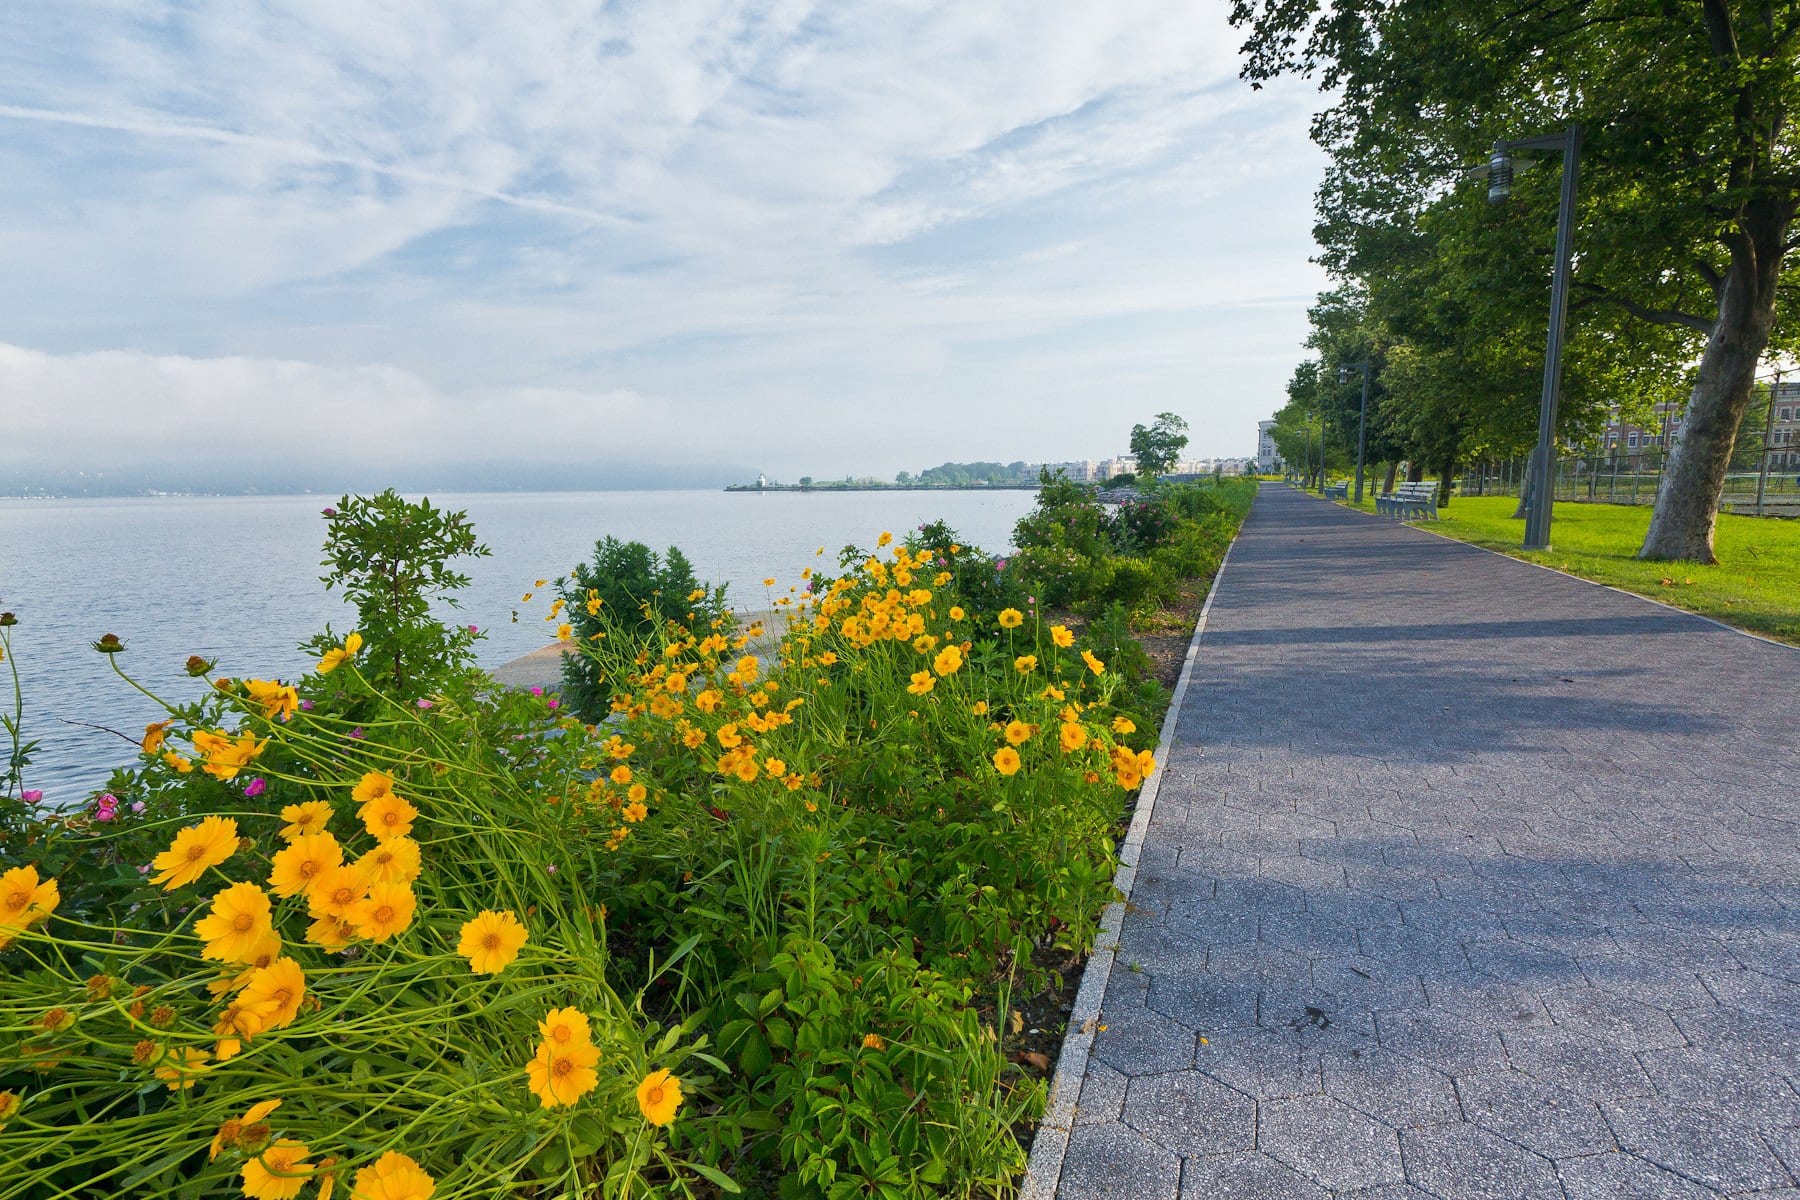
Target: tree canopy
1690,183
1158,446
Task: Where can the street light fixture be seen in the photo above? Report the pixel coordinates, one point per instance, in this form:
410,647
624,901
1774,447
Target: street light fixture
1499,172
1362,422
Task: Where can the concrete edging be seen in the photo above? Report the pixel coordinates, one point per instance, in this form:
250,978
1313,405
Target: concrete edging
1663,604
1043,1171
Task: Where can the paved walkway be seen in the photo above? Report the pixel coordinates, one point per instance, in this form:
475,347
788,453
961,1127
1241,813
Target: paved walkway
1466,880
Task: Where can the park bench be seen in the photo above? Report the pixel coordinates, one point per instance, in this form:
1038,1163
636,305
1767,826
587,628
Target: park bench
1410,501
1337,491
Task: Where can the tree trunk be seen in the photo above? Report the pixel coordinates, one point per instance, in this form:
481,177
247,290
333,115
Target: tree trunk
1444,477
1387,488
1415,472
1687,500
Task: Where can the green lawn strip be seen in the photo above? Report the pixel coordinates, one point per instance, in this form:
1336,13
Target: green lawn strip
1755,585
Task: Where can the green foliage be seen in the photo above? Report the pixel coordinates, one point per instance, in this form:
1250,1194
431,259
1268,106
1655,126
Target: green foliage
628,591
1158,445
392,559
1684,228
966,474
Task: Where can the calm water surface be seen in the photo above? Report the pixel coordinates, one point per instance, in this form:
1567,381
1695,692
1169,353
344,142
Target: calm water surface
236,579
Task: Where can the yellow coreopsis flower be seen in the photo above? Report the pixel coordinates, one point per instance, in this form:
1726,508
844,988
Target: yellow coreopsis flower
374,785
565,1026
884,539
24,900
237,925
387,815
303,862
274,993
393,1177
562,1073
278,1173
659,1097
1061,635
337,656
386,910
1124,725
1094,664
949,660
490,941
337,892
922,682
177,763
1006,760
1011,618
333,933
1072,736
874,1041
1018,732
279,701
393,860
181,1068
225,756
1025,664
303,819
230,1129
195,849
153,736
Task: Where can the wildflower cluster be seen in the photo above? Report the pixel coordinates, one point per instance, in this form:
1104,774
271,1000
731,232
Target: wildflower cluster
757,908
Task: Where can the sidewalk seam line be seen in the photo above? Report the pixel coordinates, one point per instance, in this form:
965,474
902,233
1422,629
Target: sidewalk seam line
1674,608
1050,1145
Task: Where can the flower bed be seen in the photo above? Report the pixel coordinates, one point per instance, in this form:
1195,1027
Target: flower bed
390,932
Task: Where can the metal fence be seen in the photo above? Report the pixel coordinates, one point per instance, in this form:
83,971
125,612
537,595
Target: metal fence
1764,482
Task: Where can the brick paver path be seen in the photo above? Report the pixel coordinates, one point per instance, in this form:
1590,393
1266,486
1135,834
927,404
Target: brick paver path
1466,880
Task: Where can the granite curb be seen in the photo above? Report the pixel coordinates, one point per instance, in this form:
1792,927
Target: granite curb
1043,1171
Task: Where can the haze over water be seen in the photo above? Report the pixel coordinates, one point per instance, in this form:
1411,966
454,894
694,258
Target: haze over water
236,579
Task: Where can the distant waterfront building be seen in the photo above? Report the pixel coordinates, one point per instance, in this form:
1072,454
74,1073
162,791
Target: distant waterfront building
1268,458
1081,470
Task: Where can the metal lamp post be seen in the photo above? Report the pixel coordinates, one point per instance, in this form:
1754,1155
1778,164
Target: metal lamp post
1362,421
1500,177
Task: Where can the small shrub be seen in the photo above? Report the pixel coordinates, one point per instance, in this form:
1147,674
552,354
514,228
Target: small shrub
628,591
391,558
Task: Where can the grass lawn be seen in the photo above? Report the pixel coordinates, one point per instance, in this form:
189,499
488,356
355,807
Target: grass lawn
1755,586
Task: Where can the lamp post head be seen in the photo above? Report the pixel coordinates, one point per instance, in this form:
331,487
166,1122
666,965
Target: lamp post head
1343,374
1500,174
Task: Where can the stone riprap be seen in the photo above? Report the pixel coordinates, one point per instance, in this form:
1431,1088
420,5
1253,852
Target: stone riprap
1466,879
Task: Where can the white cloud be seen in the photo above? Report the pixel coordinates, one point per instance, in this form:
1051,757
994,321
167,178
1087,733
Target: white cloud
433,203
126,407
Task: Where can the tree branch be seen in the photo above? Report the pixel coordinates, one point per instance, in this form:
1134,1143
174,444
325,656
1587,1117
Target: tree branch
1710,273
1656,316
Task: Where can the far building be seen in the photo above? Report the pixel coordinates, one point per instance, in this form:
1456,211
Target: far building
1268,458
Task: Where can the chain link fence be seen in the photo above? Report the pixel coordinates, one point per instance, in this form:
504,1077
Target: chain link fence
1760,482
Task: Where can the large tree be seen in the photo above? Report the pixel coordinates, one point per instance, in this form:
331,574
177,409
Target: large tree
1690,172
1158,446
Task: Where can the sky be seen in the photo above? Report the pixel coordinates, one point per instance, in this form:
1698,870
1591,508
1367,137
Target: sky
721,236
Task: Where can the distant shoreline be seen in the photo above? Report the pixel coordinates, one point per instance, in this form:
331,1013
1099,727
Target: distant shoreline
884,487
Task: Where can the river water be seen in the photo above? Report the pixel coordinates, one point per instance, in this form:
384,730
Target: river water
236,579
